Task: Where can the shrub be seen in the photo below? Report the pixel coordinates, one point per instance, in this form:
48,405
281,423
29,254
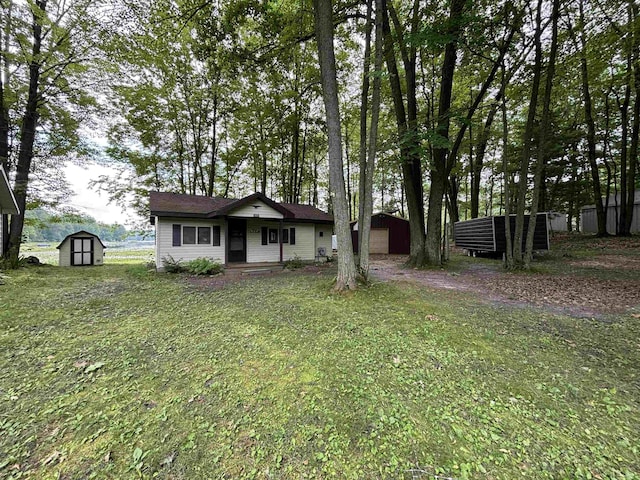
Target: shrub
13,263
171,265
204,266
294,263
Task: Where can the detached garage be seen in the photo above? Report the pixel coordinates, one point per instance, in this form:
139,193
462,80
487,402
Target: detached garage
81,249
389,235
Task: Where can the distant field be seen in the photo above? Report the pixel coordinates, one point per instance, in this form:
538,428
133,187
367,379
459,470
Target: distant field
119,372
124,252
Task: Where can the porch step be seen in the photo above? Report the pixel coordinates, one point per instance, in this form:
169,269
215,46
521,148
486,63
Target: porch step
261,270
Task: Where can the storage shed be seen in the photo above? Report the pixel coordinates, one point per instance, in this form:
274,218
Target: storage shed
389,235
488,234
81,249
590,220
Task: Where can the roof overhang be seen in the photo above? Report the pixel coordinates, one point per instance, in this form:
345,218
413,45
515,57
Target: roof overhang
8,202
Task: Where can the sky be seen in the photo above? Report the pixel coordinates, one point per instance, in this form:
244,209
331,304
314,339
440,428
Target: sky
90,201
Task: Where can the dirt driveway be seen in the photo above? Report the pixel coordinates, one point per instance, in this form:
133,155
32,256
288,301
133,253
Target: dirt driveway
570,293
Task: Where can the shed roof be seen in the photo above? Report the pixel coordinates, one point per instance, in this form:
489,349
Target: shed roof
80,233
165,204
8,202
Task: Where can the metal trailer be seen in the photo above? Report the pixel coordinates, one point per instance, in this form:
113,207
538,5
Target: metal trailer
488,235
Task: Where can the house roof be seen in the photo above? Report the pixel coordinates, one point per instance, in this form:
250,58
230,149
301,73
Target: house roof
81,234
382,215
8,202
164,204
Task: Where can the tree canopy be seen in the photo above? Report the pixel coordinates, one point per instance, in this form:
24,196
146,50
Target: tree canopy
480,102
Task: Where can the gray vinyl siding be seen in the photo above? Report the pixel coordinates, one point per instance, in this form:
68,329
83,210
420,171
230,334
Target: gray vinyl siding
164,241
256,252
325,240
249,211
304,248
589,220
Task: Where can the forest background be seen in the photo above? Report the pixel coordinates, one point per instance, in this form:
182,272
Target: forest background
225,98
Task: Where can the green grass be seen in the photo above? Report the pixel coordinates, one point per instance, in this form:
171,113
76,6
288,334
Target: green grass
114,254
114,372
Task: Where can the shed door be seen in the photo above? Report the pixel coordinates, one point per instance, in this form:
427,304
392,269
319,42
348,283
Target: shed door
379,240
82,251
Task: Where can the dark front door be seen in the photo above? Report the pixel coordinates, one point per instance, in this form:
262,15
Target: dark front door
237,240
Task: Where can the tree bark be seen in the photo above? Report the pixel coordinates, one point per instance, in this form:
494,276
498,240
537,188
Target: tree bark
411,169
518,259
439,169
364,108
27,133
544,133
346,279
508,259
365,225
601,213
635,129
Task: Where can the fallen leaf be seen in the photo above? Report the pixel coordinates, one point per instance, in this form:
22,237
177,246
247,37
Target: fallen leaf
93,367
51,458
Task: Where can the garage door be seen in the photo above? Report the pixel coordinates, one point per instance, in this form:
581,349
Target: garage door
379,240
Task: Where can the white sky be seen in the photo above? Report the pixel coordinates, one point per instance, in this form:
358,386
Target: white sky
90,201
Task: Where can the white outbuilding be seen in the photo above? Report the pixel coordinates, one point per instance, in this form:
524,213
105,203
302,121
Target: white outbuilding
81,249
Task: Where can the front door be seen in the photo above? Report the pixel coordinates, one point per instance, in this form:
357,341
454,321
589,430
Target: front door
237,240
82,251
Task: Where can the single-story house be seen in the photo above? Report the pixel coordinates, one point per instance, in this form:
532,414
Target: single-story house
81,249
253,229
8,206
389,234
589,220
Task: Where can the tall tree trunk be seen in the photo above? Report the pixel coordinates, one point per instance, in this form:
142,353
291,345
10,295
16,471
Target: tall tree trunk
543,135
346,279
408,140
364,109
508,259
27,132
212,168
439,169
4,119
367,205
518,259
635,129
601,213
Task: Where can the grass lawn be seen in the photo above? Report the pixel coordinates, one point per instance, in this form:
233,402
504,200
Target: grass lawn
114,372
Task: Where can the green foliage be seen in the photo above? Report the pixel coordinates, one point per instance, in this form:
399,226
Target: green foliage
171,265
44,226
203,266
294,263
276,375
12,263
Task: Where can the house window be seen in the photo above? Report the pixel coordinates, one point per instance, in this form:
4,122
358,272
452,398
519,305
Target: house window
204,235
265,236
273,235
322,234
292,236
285,235
184,235
188,235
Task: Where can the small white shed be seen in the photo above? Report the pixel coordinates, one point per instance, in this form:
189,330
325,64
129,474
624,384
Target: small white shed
81,249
